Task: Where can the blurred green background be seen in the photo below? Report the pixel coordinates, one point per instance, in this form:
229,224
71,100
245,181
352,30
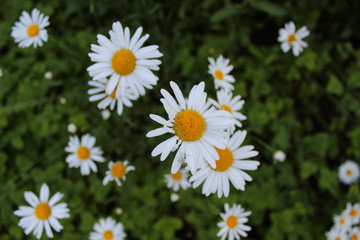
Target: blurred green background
307,106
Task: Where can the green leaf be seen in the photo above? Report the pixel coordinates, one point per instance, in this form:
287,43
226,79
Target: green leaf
308,168
268,7
168,226
334,86
224,13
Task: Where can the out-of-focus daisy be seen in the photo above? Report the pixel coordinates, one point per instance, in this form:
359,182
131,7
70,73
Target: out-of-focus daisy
31,29
342,221
117,171
174,197
230,166
349,172
108,229
124,59
279,156
225,101
42,213
105,114
354,233
220,70
72,128
118,211
336,234
177,180
196,129
233,224
353,212
83,154
62,100
48,75
292,39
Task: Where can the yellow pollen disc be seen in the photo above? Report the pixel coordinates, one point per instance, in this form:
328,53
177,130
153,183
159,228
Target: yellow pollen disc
219,75
112,95
225,161
83,153
123,62
354,237
33,30
231,222
189,125
118,170
291,38
338,238
342,221
176,176
353,213
225,107
349,172
108,235
42,211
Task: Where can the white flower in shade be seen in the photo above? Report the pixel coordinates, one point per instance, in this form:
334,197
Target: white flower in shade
62,100
292,39
230,166
48,75
83,154
354,233
108,229
349,172
42,213
225,101
220,70
196,129
105,114
31,29
124,59
177,180
279,156
109,100
342,222
117,171
353,212
118,211
336,234
72,128
174,197
233,224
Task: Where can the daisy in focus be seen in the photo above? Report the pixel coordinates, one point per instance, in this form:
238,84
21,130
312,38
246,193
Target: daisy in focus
177,180
349,172
220,70
83,154
108,229
195,128
353,212
117,171
31,29
123,59
230,166
233,224
42,213
290,38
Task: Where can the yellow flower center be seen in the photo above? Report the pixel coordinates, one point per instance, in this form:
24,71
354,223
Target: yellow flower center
33,30
42,211
83,153
338,238
219,75
349,172
342,221
225,161
123,62
112,95
189,125
353,213
226,108
231,222
176,176
291,38
108,235
354,237
118,170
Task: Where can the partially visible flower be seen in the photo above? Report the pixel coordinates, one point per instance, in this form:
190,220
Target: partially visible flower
279,156
354,233
353,212
31,29
336,234
117,171
174,197
349,172
220,70
43,213
48,75
62,100
292,39
105,114
177,180
108,229
72,128
1,73
342,222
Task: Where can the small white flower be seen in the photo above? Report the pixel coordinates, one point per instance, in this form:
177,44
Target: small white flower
336,234
349,172
118,211
353,212
342,222
108,229
48,75
220,70
72,128
177,180
62,100
292,39
43,213
174,197
279,156
117,171
105,114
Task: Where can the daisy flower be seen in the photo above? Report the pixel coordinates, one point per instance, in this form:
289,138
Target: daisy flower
108,229
83,153
292,39
354,233
196,129
220,70
230,166
336,234
117,171
125,61
42,213
225,101
279,156
31,29
342,222
349,172
109,100
353,212
177,180
233,224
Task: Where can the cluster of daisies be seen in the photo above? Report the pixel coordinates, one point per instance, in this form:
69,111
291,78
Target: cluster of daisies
346,225
349,172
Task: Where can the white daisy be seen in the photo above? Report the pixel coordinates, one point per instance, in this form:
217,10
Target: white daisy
43,213
109,100
220,70
342,221
292,39
195,128
31,29
83,153
349,172
123,59
174,197
108,229
353,212
279,156
228,167
233,224
225,101
72,128
177,180
354,233
336,234
117,171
